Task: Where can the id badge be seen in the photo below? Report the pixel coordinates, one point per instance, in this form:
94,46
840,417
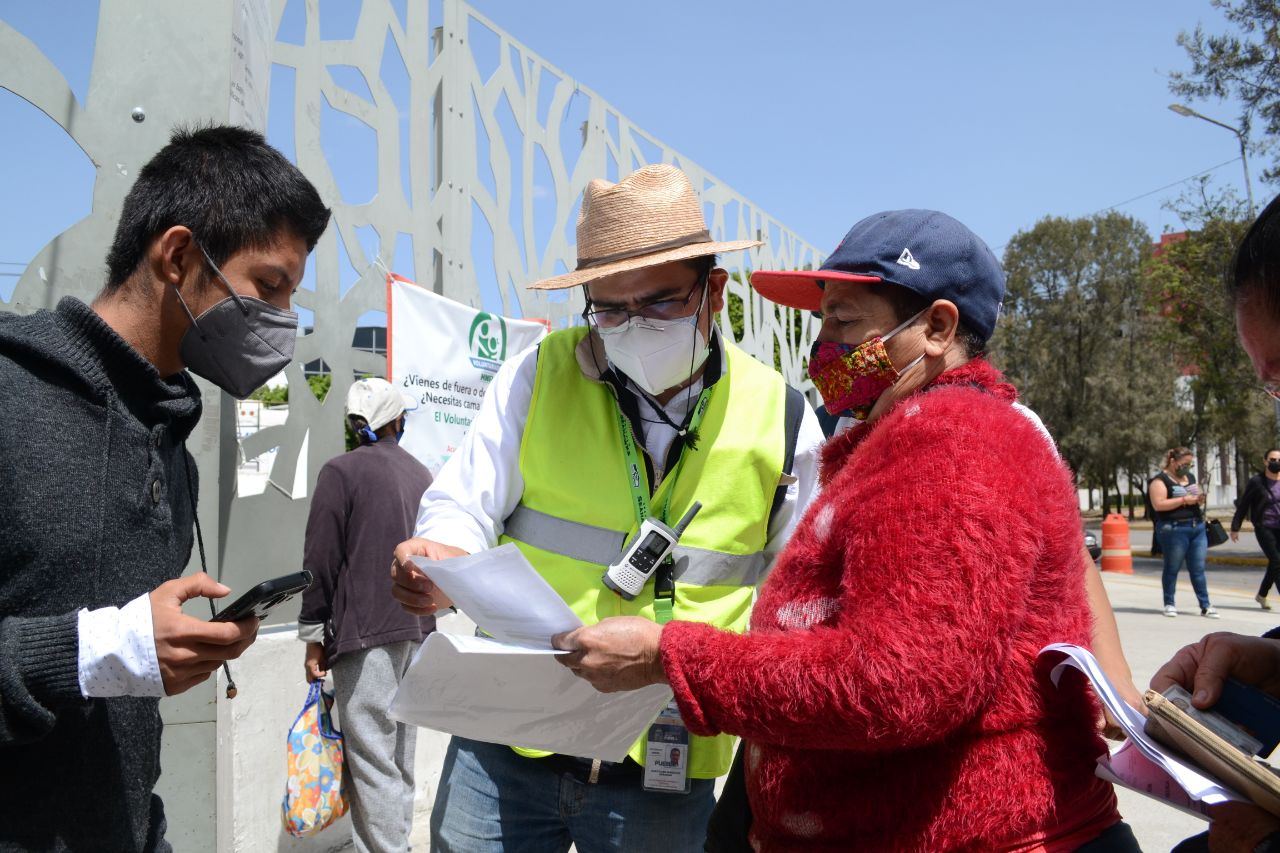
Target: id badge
666,759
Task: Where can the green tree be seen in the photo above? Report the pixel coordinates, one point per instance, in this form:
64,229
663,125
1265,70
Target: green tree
279,395
320,385
786,318
1076,337
1242,65
1223,406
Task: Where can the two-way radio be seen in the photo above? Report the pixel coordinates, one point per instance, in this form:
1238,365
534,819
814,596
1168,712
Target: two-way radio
652,544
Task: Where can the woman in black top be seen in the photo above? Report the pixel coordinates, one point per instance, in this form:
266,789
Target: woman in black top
1180,530
1261,499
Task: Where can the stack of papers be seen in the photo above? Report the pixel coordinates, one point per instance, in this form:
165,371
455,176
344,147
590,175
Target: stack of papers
508,687
1141,763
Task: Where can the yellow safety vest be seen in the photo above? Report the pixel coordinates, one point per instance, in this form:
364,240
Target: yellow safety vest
576,514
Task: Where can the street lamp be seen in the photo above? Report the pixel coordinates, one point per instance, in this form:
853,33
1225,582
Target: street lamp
1183,110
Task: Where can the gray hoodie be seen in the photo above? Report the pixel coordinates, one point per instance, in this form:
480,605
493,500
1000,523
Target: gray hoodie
95,510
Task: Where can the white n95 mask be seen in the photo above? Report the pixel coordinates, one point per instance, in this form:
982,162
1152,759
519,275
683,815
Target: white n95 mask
656,354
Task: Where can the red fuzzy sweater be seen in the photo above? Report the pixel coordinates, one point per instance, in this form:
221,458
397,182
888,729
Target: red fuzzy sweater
888,690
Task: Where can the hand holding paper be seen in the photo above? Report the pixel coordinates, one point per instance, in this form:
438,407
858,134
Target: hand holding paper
511,689
503,594
415,591
619,653
1141,763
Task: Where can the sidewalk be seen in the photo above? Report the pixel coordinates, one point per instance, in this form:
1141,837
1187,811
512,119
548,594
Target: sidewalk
1246,552
1149,640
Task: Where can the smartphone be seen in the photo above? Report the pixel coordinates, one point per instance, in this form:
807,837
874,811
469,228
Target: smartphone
266,595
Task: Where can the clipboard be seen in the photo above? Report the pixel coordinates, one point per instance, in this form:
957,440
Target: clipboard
1173,727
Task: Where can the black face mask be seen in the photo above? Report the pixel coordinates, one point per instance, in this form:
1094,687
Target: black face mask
1273,465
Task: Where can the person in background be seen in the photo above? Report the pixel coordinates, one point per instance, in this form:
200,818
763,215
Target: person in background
889,692
364,505
1261,501
1253,291
98,491
1180,528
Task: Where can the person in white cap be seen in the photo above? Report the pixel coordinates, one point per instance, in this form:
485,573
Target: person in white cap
641,412
364,503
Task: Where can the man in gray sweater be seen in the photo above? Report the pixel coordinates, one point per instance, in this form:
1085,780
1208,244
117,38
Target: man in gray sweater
97,491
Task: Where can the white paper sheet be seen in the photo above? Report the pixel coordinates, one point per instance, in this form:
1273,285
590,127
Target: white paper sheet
1127,763
503,595
490,691
511,689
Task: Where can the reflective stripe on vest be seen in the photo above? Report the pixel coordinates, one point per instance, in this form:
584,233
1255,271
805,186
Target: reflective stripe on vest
588,544
575,512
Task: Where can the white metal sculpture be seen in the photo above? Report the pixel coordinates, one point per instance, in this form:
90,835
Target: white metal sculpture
482,154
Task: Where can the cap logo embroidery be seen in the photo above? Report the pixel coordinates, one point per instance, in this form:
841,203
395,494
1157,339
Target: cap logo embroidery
906,260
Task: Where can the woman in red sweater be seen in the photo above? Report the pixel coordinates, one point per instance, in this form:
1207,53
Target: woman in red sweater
889,692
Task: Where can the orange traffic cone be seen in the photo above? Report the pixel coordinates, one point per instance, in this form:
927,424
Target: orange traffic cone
1116,553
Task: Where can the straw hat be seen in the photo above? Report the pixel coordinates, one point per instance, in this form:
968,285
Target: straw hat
650,217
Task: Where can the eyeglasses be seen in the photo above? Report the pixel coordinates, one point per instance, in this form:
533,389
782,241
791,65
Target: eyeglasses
663,309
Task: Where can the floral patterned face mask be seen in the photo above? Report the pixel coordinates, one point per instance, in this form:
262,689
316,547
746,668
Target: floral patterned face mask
851,378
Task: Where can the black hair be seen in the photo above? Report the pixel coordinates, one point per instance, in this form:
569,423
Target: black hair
232,189
358,425
907,303
1255,270
702,265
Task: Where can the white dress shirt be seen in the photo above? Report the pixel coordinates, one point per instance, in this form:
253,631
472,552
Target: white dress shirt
117,651
481,485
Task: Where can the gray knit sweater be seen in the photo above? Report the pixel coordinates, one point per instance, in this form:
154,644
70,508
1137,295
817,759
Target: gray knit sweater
94,511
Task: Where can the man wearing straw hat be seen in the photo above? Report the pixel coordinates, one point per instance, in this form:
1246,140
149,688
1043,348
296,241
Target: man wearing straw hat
639,413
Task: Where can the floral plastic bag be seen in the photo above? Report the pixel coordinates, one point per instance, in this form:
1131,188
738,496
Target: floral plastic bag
314,795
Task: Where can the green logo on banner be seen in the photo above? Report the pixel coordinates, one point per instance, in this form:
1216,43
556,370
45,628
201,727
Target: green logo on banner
487,341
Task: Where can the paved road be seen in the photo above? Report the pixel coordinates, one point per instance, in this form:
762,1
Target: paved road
1237,579
1149,639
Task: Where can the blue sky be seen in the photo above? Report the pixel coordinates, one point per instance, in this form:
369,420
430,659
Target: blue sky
998,113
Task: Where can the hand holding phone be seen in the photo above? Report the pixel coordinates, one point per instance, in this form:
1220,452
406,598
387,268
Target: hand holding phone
177,635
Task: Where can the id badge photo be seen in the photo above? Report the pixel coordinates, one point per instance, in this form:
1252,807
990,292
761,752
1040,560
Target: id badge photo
666,759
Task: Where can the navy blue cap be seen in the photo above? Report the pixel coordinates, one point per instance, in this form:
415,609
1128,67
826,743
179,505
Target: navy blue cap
922,250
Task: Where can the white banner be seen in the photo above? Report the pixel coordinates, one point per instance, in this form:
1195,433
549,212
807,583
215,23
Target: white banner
443,354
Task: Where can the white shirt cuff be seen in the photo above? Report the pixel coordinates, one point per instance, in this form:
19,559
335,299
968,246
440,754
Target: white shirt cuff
117,654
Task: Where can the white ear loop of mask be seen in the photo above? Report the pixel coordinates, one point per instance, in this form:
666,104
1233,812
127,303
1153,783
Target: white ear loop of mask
904,324
899,328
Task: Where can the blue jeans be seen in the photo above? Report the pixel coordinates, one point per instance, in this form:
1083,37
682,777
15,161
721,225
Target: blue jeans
492,800
1182,540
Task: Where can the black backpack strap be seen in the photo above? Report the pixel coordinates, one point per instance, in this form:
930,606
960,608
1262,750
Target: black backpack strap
792,416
